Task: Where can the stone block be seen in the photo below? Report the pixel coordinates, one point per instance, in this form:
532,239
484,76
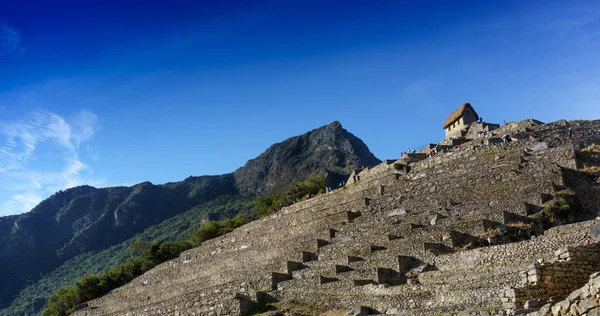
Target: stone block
594,312
545,310
533,279
585,305
358,311
560,308
396,212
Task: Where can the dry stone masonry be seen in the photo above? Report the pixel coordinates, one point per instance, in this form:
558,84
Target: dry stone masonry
409,240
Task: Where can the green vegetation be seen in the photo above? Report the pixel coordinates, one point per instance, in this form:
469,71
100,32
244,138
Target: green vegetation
146,255
179,227
559,210
294,192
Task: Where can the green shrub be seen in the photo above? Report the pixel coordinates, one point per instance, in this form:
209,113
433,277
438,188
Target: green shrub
559,210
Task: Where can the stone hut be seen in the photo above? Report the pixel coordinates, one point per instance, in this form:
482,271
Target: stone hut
459,119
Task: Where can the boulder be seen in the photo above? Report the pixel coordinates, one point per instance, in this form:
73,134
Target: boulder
539,147
436,218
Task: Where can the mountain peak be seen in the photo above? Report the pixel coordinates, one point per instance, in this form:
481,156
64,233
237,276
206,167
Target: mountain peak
335,124
330,151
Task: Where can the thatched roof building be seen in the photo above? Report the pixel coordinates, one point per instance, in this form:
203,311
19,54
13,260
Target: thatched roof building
464,110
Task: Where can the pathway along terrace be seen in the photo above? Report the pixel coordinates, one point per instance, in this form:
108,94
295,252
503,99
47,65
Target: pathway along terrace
397,242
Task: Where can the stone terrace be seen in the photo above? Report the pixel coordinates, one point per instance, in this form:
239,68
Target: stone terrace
388,241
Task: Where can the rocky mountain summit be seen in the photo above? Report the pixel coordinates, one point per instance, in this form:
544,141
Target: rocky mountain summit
329,150
482,224
77,222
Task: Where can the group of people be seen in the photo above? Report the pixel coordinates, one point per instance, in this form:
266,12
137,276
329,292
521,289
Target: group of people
590,131
414,151
356,178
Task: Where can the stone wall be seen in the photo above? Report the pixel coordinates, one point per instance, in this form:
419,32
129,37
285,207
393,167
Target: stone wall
569,270
583,301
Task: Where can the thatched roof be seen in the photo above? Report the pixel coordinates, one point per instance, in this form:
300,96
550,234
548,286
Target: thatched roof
458,113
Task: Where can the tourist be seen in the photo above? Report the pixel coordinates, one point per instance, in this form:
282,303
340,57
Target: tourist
354,178
490,242
358,178
591,131
588,241
531,136
414,151
570,131
504,138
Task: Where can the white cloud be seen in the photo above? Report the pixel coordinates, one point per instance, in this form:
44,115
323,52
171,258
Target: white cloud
40,155
10,41
85,125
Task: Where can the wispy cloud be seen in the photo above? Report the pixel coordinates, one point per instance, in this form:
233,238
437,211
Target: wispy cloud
40,155
10,41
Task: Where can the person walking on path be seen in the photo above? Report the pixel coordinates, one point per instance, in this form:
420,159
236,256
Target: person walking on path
570,131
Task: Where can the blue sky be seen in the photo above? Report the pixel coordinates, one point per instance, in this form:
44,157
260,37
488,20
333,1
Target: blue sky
116,92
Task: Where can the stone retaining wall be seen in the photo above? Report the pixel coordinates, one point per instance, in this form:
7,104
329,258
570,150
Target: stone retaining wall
569,270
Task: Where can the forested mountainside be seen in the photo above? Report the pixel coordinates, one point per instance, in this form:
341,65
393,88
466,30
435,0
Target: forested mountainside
84,229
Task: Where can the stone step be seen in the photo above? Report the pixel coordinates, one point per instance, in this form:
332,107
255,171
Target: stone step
340,295
157,303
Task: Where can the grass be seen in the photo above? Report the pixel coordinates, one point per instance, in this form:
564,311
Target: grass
588,159
559,210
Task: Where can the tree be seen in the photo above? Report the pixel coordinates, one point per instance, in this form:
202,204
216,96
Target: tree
137,248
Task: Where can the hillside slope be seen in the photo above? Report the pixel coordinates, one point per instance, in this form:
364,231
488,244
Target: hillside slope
450,233
85,222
